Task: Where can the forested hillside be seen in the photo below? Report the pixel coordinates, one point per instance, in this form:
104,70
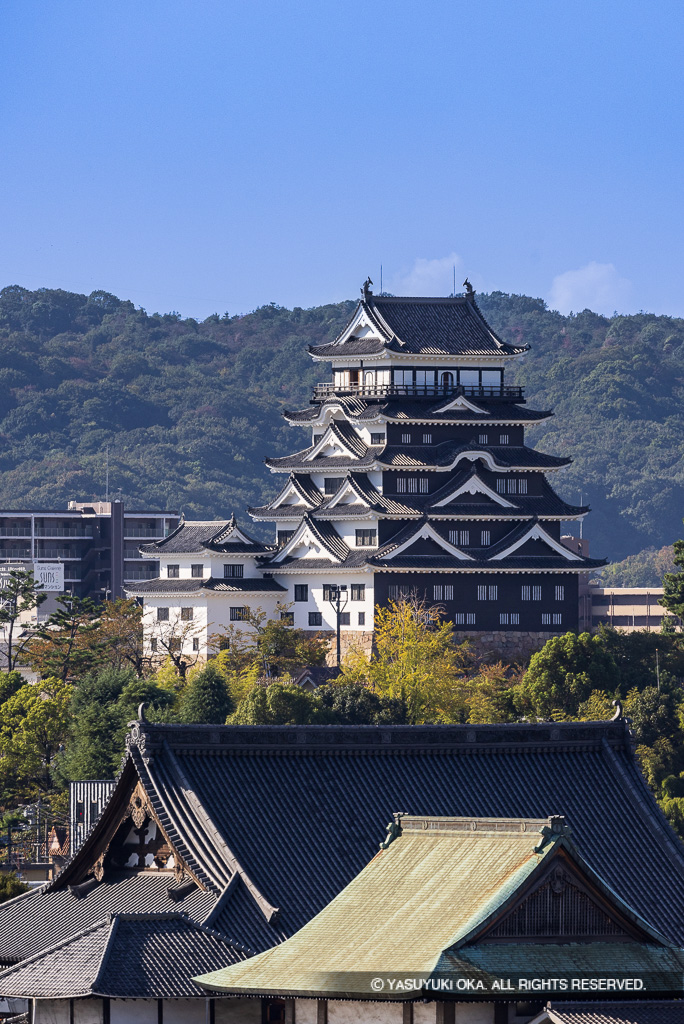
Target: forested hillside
189,410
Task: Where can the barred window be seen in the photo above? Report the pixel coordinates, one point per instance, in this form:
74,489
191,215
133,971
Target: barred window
482,592
424,484
301,592
483,439
413,485
485,538
358,591
503,438
470,618
187,614
401,485
329,590
546,619
173,572
503,618
195,643
406,439
284,536
344,618
459,618
233,571
315,619
437,592
493,593
560,593
238,614
526,592
153,644
453,536
449,592
464,538
162,614
427,438
366,538
500,485
522,486
331,484
512,487
197,571
362,618
396,592
557,618
377,438
515,619
536,593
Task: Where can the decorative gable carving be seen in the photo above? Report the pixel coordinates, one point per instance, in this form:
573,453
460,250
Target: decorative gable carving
561,907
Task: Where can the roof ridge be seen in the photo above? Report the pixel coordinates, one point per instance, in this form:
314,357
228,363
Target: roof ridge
113,927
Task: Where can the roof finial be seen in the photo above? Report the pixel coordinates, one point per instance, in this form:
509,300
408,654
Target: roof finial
470,291
141,712
366,290
618,714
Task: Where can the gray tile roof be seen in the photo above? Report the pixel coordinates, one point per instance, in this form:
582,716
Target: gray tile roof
404,409
194,536
244,585
418,457
424,326
139,956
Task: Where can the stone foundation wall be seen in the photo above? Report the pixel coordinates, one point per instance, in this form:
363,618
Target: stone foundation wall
350,640
508,646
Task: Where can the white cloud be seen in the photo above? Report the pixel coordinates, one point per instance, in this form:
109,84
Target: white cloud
428,277
598,286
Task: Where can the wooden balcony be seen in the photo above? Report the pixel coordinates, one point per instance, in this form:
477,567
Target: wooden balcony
504,392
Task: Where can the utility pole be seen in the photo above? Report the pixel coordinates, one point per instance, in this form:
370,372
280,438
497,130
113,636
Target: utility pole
338,598
658,668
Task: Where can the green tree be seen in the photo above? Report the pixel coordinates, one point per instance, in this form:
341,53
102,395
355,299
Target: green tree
280,704
673,584
34,724
70,643
563,674
19,593
11,886
353,704
206,698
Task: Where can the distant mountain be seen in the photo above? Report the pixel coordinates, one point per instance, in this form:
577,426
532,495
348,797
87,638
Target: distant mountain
189,410
645,569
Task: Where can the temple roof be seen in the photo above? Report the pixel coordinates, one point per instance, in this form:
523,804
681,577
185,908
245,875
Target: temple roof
129,955
439,456
404,410
643,1012
197,537
421,326
433,899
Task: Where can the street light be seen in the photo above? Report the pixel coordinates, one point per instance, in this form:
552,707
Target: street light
337,595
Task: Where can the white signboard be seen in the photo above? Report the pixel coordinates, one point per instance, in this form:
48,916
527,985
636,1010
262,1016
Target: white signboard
50,575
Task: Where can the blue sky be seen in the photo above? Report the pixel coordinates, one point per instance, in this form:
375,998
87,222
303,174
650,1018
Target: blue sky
209,156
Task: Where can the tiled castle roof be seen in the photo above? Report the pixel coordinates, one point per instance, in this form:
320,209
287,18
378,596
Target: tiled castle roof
194,536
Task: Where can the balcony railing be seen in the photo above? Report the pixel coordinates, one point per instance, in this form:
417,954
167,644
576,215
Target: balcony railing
15,531
506,391
56,553
134,532
64,531
15,552
140,574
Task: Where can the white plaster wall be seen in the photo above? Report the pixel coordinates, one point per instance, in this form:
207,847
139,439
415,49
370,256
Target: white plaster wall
185,1011
424,1013
51,1011
316,603
369,1013
133,1011
88,1011
306,1011
239,1011
347,528
474,1013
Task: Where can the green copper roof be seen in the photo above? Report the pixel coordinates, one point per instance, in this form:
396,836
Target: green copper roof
420,906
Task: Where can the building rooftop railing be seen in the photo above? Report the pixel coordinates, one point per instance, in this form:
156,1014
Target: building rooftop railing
133,532
504,391
82,532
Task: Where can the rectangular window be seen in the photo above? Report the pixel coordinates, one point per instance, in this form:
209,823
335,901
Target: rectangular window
358,591
500,485
316,438
377,438
469,378
412,485
522,486
315,619
284,536
449,592
173,572
464,538
515,619
233,571
153,644
187,614
331,484
526,593
301,592
344,618
162,614
485,538
503,618
491,378
453,536
406,439
404,378
330,591
427,438
287,618
560,593
512,486
536,593
197,572
482,592
459,619
362,618
238,614
483,439
396,593
503,438
401,485
366,538
470,619
195,643
437,592
493,593
425,378
546,619
557,618
424,484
